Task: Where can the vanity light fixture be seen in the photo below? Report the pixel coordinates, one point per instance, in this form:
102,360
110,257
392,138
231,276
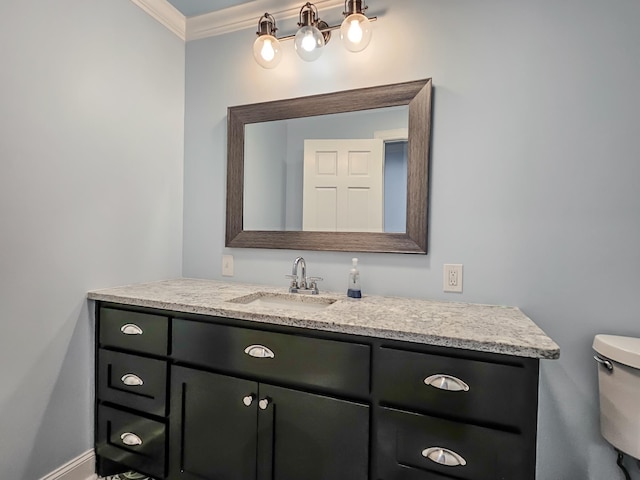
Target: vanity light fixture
313,34
355,30
309,40
266,48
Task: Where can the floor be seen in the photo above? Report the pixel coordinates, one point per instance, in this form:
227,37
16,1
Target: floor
126,476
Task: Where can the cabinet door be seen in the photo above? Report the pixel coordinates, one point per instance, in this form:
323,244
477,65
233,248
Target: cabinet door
213,430
311,437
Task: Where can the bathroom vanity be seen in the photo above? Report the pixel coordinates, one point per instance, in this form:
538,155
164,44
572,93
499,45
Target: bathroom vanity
205,380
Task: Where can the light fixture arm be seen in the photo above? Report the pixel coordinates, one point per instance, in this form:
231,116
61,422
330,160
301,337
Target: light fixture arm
323,30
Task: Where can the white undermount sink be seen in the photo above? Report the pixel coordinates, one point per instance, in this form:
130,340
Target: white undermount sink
285,301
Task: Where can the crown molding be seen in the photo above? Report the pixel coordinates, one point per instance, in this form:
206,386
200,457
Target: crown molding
166,14
246,15
227,20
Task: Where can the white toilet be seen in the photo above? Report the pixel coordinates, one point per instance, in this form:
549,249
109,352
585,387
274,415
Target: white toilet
619,385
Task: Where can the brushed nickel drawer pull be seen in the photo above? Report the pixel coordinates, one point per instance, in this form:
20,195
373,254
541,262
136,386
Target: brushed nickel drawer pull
131,439
444,456
131,329
131,380
259,351
446,382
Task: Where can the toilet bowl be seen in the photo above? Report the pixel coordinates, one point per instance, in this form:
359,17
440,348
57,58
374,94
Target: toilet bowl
619,385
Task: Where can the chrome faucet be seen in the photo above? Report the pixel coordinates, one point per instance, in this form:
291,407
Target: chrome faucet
294,271
301,283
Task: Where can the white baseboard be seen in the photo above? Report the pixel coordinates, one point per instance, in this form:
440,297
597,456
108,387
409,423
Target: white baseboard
82,467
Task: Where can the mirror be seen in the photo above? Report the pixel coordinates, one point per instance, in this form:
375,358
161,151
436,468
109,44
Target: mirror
252,140
339,172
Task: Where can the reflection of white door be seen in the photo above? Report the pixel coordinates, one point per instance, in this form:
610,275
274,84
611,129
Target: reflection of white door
343,185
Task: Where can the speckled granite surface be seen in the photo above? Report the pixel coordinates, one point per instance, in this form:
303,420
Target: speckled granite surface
486,328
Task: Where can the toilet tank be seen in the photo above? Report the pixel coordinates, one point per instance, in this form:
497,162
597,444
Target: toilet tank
619,386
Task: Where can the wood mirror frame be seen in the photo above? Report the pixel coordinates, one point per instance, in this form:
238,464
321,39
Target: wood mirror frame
415,94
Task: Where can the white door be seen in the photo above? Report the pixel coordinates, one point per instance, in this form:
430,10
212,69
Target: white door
343,185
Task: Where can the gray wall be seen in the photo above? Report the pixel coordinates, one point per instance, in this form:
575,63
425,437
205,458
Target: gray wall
91,162
534,179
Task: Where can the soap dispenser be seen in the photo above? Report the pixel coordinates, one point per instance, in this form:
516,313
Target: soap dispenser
354,290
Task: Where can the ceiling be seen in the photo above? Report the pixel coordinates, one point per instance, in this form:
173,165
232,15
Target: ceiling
192,8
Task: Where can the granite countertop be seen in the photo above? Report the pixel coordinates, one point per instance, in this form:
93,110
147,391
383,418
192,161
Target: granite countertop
485,328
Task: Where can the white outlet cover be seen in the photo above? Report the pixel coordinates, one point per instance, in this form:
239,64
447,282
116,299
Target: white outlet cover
227,265
452,278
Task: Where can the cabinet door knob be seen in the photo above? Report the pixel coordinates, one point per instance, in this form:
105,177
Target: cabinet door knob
446,382
131,439
259,351
131,329
263,404
131,380
444,456
248,400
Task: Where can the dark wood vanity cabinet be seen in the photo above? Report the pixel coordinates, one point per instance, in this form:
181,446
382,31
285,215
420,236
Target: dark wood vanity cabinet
231,428
131,391
209,398
224,427
462,415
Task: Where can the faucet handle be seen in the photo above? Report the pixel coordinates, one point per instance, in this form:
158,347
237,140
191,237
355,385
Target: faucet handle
313,283
294,280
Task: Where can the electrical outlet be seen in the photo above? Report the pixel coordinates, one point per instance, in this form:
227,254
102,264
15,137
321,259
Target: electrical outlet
452,281
227,265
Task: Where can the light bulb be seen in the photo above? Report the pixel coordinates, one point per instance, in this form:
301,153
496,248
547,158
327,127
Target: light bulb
308,43
355,32
267,51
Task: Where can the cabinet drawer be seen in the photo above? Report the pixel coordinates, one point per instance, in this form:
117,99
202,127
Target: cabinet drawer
136,382
487,393
139,332
302,360
133,441
414,447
